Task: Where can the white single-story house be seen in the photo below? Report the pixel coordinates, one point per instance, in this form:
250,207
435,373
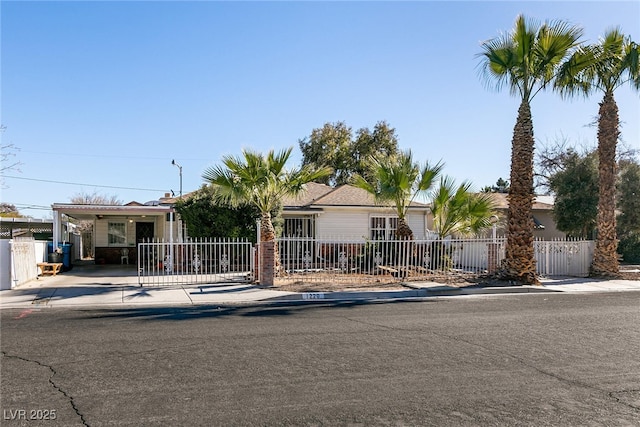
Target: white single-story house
346,212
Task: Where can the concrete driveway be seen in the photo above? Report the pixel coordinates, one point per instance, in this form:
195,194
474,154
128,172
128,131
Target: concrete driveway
89,274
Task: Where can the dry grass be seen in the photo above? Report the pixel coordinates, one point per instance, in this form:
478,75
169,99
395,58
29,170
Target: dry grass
334,282
328,282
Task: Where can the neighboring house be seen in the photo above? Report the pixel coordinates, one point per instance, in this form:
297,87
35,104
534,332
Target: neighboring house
542,210
346,212
39,229
117,229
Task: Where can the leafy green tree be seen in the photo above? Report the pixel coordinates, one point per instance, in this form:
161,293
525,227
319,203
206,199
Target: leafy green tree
501,186
398,180
628,225
457,211
334,146
261,181
206,218
629,198
527,60
576,195
604,67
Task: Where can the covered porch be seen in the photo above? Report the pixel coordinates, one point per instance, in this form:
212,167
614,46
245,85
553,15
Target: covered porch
116,231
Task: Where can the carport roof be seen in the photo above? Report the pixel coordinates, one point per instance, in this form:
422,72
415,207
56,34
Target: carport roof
84,212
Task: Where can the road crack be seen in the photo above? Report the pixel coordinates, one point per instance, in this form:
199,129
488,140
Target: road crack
53,384
574,382
614,395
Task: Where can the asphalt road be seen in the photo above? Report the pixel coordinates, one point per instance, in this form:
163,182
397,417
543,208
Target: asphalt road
534,359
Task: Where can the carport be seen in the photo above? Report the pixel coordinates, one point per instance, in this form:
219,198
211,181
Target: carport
117,230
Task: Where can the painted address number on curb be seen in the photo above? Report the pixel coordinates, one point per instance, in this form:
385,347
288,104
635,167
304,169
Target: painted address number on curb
313,295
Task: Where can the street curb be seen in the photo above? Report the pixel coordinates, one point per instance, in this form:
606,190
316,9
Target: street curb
304,298
438,291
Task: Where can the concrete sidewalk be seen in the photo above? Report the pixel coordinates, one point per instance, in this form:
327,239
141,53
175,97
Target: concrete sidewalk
122,291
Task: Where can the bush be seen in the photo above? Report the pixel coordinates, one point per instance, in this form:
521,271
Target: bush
629,248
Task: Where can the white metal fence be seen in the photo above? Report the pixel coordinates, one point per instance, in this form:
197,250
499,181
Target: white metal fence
394,260
564,257
195,261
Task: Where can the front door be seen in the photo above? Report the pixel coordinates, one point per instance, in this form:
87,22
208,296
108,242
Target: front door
144,232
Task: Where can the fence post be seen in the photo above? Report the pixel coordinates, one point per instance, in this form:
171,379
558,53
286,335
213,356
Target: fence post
267,263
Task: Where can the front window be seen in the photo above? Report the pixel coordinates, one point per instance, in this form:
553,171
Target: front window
298,227
383,227
117,233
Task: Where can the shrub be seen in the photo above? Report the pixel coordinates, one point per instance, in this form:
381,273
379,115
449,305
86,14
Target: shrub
629,247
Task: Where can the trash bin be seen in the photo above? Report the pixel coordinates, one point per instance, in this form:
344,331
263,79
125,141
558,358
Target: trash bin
54,257
65,256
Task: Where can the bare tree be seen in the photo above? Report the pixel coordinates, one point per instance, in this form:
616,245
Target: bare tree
7,161
95,199
86,227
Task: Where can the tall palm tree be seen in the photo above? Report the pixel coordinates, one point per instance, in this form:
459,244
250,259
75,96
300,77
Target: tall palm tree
605,66
399,180
526,59
458,211
261,181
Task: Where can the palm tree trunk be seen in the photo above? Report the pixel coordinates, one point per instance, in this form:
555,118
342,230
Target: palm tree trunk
519,263
268,234
605,257
404,232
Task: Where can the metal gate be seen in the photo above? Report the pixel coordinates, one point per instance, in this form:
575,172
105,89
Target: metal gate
195,262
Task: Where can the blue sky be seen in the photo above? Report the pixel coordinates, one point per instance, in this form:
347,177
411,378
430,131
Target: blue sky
105,94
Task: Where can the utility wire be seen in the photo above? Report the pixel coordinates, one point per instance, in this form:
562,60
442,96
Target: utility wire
82,184
75,154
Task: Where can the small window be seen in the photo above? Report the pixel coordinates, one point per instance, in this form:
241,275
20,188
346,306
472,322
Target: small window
383,228
117,233
298,227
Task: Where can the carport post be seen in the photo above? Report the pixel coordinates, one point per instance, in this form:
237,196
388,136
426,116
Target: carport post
56,228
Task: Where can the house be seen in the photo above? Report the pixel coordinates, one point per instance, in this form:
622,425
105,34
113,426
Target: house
117,229
346,212
542,211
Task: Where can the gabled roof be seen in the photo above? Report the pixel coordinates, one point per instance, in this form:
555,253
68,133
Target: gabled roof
320,195
313,191
540,203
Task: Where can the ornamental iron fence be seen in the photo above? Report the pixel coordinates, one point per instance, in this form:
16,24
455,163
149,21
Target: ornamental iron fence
448,260
195,261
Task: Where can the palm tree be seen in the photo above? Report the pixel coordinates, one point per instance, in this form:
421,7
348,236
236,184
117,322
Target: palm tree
606,66
458,211
527,60
399,179
261,181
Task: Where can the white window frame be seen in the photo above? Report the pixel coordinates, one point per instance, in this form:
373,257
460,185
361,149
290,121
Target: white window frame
304,226
385,228
114,239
